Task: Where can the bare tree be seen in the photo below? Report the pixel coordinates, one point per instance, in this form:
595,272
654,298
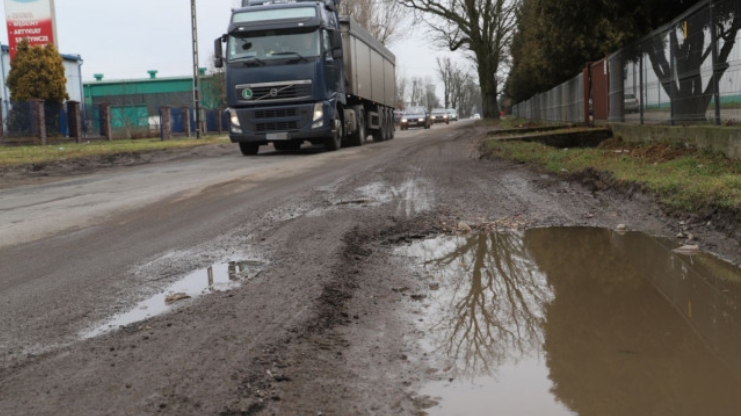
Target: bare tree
401,90
429,97
445,68
416,92
459,78
382,18
483,27
469,98
455,81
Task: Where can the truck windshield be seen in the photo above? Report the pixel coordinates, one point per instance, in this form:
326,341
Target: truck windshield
273,45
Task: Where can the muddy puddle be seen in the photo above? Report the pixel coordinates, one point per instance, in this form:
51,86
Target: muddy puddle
577,321
217,277
410,197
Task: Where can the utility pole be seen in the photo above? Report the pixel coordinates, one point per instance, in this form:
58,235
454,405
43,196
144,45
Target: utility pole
196,72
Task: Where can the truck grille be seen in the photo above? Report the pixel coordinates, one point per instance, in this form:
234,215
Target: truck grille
280,118
274,91
276,126
277,113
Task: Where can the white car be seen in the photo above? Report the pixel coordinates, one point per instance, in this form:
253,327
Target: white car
476,116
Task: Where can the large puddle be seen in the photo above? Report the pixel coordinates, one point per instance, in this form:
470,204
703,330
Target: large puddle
217,277
578,321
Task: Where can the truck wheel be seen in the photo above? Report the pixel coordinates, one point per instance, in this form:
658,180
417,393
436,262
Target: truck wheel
387,127
249,149
358,137
334,142
385,130
378,135
392,127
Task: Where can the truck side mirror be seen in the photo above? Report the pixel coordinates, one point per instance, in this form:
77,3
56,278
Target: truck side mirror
336,44
218,55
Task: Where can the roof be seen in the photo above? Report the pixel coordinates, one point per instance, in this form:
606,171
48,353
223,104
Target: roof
68,57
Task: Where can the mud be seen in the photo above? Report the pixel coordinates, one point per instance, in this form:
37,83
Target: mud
331,325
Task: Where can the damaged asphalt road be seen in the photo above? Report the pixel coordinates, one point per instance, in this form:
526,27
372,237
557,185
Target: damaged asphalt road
325,326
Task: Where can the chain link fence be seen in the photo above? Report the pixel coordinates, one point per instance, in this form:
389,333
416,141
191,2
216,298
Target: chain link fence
688,71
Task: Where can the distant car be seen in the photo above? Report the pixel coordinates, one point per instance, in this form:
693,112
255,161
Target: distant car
415,117
631,103
439,115
476,116
452,114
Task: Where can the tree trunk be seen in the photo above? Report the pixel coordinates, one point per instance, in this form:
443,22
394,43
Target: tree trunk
487,81
489,102
690,98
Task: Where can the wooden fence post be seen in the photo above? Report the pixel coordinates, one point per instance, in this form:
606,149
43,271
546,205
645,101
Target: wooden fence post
106,130
74,120
186,121
166,123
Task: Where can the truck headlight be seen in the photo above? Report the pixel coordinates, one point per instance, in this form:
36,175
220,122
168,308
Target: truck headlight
318,119
235,127
403,120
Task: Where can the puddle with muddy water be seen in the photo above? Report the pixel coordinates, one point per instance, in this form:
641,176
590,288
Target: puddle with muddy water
217,277
578,321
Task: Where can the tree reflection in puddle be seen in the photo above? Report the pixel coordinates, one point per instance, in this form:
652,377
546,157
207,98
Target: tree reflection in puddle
580,321
492,299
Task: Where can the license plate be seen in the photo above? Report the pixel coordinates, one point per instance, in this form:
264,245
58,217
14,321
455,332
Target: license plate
276,136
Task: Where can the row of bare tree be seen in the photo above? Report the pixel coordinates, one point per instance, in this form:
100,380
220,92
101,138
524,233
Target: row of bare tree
481,29
460,90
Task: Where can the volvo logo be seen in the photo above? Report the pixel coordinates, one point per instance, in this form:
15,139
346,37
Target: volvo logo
273,92
247,94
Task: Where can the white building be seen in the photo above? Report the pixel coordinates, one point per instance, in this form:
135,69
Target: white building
72,70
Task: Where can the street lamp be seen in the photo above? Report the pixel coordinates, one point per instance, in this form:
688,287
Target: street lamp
196,92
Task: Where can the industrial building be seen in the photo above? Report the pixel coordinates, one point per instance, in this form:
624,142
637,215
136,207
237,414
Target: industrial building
136,103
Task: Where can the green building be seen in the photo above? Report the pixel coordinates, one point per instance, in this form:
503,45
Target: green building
136,103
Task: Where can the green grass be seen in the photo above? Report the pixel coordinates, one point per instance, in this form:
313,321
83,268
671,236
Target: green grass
682,179
25,155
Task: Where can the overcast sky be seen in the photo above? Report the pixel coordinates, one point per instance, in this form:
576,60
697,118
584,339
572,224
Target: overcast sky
125,39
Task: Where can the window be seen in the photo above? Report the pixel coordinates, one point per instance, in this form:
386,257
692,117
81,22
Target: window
326,44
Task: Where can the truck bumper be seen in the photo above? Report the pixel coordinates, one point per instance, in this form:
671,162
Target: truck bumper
279,123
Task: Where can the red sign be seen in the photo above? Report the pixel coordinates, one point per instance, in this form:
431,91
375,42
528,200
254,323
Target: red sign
29,19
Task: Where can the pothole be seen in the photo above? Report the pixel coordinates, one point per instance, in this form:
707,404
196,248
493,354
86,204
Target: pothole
217,277
564,321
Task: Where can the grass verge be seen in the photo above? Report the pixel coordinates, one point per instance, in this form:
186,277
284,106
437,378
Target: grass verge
682,179
26,155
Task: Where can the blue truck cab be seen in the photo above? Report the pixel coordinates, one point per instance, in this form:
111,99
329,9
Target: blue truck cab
286,80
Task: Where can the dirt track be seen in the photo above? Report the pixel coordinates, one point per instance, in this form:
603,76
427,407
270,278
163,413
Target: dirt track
326,327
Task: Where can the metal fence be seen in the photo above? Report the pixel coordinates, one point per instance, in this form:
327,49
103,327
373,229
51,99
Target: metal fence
19,119
20,124
688,71
563,103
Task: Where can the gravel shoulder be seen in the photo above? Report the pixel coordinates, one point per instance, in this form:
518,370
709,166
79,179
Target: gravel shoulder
40,173
327,327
